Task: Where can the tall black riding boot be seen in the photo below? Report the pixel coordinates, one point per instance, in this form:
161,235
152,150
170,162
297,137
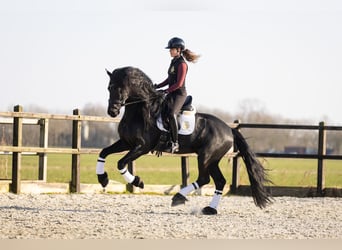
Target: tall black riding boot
174,133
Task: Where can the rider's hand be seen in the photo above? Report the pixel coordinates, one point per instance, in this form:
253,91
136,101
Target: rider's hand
163,91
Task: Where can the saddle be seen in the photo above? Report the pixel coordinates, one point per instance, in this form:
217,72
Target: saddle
187,106
185,118
186,124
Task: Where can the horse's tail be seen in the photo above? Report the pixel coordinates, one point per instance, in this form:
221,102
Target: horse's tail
256,172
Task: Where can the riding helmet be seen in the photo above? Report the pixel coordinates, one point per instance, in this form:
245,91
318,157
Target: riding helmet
176,42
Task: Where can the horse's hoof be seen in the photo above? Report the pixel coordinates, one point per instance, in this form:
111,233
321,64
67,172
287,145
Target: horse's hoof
209,211
178,199
138,182
103,179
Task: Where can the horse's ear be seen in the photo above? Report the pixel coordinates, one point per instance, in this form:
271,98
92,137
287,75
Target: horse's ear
108,73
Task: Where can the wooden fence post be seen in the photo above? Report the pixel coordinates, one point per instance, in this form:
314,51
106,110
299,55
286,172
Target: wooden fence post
76,144
43,142
185,171
235,168
321,153
16,156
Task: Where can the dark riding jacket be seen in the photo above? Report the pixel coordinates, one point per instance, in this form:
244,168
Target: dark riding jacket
176,76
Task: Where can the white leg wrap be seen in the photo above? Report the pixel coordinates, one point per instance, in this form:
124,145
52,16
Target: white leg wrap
189,188
100,166
127,175
216,199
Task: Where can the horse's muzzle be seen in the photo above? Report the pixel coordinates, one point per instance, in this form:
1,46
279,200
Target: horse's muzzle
113,111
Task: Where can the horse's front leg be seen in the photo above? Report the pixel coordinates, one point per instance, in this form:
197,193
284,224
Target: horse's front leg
102,176
122,166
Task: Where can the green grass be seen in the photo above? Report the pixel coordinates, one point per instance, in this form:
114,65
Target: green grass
167,170
299,172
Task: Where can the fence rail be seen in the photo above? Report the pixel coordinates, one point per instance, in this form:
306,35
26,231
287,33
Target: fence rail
19,118
320,156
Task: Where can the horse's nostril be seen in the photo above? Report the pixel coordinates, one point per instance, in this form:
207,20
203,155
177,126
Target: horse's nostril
113,111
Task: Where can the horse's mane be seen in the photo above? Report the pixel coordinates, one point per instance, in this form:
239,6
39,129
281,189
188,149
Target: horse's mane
143,86
137,77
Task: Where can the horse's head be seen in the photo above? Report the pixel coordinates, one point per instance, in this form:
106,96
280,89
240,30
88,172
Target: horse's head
118,92
128,85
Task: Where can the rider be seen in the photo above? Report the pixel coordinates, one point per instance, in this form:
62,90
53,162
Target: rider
176,91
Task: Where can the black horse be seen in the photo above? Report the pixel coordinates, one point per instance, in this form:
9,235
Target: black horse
211,139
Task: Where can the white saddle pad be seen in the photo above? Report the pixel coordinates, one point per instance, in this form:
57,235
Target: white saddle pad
186,121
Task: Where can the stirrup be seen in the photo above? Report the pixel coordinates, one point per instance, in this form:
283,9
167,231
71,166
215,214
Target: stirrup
174,147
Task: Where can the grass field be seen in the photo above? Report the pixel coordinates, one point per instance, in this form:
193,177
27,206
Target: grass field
167,170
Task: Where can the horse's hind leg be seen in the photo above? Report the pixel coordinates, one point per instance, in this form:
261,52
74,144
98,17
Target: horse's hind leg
203,178
220,182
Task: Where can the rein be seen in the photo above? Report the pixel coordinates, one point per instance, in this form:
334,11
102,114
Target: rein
139,101
134,102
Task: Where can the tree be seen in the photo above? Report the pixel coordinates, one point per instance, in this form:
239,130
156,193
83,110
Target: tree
97,134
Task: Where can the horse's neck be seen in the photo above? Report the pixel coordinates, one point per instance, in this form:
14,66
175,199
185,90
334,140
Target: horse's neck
133,111
145,112
156,107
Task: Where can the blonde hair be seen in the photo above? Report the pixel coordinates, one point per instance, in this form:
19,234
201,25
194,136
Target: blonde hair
190,56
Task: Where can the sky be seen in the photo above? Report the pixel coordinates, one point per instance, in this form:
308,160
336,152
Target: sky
281,57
